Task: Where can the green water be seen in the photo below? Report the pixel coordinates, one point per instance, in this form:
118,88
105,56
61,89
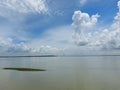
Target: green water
61,73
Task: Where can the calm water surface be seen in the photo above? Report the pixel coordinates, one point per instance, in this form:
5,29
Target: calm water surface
62,73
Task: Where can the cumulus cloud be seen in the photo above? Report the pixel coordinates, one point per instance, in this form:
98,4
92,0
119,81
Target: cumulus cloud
108,38
82,22
59,40
22,6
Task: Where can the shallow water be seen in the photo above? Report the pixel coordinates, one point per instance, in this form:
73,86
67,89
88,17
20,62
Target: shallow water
62,73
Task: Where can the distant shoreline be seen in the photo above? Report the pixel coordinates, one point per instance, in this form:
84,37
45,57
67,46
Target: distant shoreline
29,56
56,56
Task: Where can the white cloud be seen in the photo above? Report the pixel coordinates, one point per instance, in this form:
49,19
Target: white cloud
82,22
60,40
57,37
22,6
53,41
82,2
8,47
119,5
106,39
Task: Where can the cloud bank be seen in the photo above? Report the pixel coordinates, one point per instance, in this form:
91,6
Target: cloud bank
54,41
8,47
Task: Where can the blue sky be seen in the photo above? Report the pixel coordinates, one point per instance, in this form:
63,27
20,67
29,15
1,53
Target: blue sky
54,26
61,11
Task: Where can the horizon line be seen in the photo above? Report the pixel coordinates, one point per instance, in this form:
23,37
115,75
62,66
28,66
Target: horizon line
8,56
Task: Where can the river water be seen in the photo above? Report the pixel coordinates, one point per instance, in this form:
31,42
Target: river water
62,73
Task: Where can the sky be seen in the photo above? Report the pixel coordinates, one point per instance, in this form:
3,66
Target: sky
59,27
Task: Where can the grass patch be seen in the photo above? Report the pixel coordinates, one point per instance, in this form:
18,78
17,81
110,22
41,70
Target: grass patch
23,69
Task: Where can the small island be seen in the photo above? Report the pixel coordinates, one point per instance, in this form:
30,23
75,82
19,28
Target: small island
23,69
